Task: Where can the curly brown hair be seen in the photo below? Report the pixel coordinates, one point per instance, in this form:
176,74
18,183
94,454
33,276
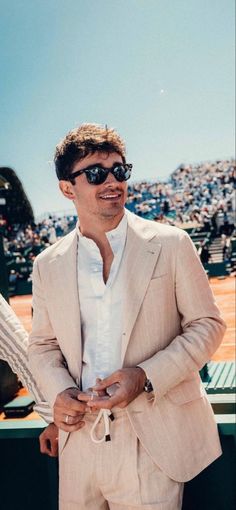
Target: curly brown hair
82,141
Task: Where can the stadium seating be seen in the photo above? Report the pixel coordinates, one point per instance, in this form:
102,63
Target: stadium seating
217,269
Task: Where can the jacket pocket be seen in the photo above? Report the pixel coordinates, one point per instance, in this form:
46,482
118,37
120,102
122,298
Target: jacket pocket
186,391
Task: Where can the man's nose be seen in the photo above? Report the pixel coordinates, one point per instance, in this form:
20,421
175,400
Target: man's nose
110,179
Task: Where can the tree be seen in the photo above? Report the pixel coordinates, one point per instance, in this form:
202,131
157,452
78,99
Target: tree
17,209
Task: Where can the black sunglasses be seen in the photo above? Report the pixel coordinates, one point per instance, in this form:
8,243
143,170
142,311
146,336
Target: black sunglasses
97,174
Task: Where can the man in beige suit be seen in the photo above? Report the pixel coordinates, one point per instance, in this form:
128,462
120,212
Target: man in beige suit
122,305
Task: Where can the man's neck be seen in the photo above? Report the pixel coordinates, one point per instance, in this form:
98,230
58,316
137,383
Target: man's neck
95,228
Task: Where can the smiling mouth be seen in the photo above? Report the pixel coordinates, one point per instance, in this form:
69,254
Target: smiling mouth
110,196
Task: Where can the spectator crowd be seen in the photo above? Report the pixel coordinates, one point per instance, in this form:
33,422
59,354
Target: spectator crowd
23,243
200,197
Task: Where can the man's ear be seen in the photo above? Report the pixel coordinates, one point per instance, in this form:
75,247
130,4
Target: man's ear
67,189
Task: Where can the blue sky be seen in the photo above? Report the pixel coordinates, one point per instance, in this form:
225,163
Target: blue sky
160,71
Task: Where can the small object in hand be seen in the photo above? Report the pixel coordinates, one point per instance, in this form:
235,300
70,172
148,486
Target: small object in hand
96,394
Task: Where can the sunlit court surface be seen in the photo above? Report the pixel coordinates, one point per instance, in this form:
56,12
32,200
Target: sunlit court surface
223,290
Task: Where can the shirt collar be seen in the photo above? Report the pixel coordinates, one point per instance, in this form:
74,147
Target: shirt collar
119,231
115,234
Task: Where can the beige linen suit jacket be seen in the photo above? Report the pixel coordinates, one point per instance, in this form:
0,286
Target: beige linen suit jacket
171,329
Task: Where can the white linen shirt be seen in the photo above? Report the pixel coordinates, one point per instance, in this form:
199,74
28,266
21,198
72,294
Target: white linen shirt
100,306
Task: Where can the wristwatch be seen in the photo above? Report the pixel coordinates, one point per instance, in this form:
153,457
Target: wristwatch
148,387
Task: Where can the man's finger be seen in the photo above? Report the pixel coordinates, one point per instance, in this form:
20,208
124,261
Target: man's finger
49,447
117,399
70,404
72,420
70,428
108,381
54,448
68,419
68,411
45,446
84,397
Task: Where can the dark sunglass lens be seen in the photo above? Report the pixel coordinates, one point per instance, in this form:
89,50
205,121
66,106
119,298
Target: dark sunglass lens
96,175
122,173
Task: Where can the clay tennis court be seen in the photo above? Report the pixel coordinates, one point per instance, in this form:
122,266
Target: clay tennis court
224,292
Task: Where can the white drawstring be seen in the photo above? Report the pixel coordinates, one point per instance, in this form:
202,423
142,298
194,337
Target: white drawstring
107,415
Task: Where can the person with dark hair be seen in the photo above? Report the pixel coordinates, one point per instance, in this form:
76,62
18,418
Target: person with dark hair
204,253
124,319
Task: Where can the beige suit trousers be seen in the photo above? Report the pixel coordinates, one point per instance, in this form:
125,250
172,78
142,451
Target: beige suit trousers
116,475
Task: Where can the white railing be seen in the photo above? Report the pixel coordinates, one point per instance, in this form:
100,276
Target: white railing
55,214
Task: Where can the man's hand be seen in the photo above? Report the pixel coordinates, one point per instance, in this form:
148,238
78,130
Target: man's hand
129,383
69,410
48,440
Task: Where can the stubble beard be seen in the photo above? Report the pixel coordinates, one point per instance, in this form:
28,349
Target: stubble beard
112,212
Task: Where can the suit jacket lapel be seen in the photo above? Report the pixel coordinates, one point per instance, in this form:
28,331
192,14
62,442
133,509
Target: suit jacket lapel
140,257
65,267
139,260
